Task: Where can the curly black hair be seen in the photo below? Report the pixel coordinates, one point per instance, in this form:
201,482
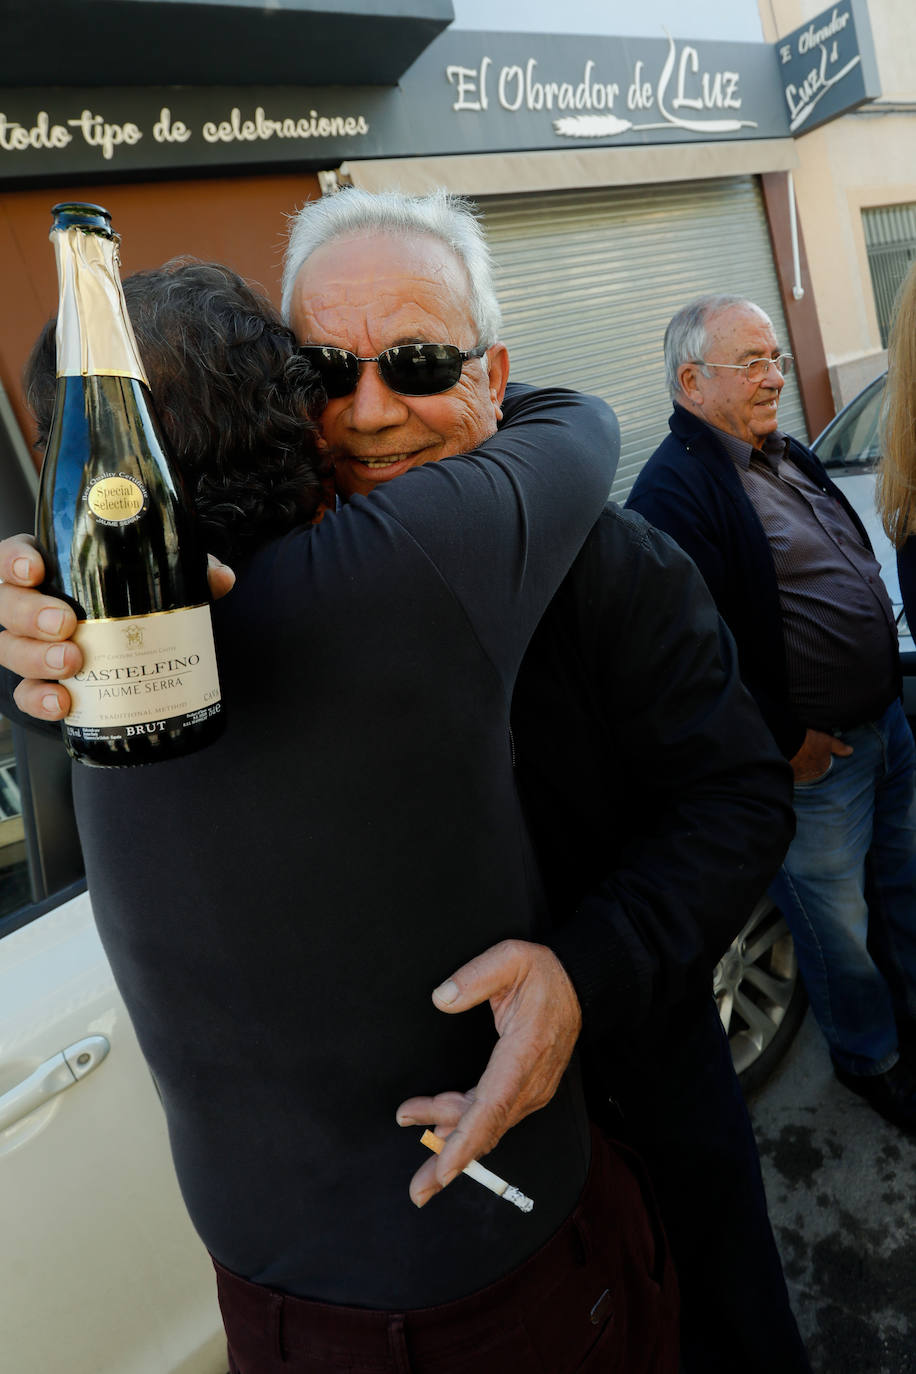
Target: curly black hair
232,394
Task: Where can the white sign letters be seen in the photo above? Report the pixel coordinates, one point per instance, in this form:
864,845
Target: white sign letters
681,85
819,46
98,132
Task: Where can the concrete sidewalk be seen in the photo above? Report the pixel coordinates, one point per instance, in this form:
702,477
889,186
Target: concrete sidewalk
841,1185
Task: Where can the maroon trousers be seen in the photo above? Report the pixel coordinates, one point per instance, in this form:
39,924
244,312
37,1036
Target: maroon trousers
600,1297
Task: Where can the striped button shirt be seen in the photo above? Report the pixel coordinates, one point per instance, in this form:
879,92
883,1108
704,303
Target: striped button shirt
838,622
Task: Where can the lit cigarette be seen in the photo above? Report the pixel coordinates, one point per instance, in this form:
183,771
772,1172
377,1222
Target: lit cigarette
496,1185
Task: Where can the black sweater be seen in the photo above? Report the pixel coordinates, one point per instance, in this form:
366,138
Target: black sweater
278,908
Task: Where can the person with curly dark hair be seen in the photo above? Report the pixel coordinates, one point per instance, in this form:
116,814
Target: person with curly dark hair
233,395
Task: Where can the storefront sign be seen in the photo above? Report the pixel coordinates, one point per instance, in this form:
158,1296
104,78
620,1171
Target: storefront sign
88,131
467,93
655,93
828,66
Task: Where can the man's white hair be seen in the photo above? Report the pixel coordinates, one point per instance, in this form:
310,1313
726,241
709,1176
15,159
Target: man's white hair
687,336
354,213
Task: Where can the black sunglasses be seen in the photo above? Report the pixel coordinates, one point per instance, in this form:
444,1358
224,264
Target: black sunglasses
416,369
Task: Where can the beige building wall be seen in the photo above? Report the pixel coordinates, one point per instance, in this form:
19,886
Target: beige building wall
864,159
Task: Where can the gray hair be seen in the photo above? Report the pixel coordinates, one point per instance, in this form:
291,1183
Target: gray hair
687,336
351,213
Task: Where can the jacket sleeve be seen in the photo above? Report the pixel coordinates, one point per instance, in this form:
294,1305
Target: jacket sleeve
503,523
703,798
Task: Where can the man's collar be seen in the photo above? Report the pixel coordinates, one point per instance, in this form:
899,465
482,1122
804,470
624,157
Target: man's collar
739,450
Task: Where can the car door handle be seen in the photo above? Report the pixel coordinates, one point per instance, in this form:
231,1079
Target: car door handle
61,1071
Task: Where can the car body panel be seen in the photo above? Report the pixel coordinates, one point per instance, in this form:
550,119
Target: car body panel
859,490
103,1273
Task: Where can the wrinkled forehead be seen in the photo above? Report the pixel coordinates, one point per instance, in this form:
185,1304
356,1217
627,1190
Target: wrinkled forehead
745,330
414,282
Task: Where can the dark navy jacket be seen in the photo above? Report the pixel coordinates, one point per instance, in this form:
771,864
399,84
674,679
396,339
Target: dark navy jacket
691,489
659,804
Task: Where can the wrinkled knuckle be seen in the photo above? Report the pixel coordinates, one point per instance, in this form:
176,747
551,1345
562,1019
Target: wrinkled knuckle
499,1121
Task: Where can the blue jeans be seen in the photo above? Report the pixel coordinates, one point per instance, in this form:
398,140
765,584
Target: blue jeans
848,892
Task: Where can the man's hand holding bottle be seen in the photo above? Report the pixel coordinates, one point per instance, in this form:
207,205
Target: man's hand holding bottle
35,642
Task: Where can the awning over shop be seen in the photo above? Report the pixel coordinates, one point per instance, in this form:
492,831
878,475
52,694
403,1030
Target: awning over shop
215,42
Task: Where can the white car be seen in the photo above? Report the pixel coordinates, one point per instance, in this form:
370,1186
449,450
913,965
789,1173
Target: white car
102,1273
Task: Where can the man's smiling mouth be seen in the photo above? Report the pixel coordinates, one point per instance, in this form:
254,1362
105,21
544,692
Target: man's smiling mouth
385,462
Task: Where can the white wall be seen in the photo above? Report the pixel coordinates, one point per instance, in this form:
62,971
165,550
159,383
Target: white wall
864,159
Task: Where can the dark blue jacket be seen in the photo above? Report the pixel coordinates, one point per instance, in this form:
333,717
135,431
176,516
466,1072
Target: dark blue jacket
691,489
659,803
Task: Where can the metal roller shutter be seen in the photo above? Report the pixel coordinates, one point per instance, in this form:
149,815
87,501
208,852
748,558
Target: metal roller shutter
588,281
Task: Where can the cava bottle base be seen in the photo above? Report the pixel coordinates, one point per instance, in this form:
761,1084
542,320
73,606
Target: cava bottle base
151,741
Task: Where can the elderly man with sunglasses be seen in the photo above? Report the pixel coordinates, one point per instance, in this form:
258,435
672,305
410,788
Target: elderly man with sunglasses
793,574
634,740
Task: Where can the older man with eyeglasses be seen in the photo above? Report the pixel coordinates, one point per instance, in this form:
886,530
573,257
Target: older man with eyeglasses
793,574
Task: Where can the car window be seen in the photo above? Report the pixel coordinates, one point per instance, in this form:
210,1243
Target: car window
850,449
41,862
15,889
852,440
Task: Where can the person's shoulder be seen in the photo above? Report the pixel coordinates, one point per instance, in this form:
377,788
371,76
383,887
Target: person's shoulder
688,459
667,466
621,534
617,527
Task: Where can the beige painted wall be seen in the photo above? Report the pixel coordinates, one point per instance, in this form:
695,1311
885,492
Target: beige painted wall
866,158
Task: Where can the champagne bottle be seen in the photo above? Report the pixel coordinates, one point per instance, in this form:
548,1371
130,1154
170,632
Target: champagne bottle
117,529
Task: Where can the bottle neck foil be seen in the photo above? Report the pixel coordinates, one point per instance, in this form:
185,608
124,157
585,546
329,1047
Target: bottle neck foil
94,333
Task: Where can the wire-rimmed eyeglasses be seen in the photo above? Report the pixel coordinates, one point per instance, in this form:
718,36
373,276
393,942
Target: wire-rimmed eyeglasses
757,368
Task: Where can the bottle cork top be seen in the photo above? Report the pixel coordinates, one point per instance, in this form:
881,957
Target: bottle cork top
77,214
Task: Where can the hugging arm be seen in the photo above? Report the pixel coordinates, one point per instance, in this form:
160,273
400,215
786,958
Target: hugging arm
570,440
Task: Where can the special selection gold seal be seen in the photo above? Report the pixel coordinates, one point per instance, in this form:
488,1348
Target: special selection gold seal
116,500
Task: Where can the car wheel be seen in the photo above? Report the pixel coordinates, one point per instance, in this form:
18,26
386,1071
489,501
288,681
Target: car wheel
760,994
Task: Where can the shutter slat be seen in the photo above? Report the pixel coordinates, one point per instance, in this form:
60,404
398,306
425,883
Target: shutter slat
588,281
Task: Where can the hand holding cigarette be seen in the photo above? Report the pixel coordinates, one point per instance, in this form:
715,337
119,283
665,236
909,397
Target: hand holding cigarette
537,1019
474,1170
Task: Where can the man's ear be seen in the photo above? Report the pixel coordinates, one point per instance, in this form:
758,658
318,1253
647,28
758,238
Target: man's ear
690,381
497,375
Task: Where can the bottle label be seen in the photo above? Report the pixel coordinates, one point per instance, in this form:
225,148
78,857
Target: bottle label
143,674
116,499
